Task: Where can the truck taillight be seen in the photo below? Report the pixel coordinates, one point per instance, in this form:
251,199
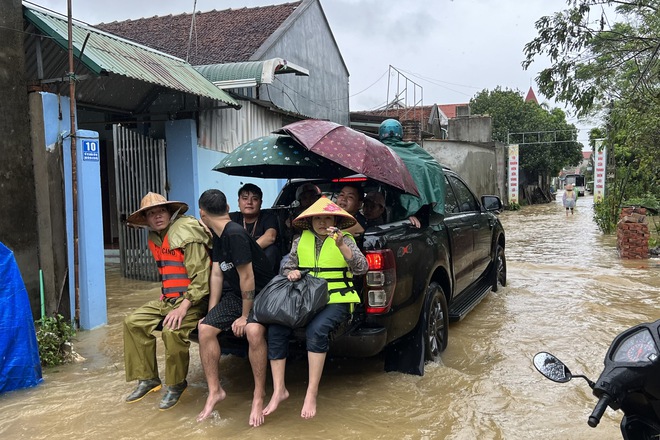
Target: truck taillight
380,281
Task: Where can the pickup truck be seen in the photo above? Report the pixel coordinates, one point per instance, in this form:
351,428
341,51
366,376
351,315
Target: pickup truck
419,279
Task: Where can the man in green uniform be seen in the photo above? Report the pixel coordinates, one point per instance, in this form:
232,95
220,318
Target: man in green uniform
180,247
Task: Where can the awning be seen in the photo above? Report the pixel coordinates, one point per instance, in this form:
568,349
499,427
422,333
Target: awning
249,73
103,53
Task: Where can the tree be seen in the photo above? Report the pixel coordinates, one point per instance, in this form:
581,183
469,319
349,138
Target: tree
550,143
611,69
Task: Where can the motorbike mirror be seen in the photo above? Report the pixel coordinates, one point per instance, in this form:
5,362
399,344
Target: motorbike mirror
552,368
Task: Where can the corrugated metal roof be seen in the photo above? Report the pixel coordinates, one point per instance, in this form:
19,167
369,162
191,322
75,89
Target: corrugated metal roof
249,73
105,53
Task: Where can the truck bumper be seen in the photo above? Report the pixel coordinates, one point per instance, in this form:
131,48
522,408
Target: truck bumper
360,342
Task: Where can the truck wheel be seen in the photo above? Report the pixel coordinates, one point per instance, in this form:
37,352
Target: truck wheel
499,266
436,323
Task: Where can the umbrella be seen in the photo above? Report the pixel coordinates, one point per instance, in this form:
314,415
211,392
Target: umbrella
353,150
280,157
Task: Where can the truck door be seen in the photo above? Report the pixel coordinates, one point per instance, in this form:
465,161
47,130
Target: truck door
480,229
459,227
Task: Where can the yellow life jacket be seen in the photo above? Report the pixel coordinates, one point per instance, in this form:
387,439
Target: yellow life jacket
330,265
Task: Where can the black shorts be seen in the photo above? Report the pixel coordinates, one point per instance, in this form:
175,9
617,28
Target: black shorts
228,310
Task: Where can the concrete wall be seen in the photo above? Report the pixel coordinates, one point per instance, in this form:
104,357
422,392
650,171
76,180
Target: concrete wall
470,129
47,148
482,166
18,224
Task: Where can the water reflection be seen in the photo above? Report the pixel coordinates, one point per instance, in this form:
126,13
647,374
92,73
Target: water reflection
568,293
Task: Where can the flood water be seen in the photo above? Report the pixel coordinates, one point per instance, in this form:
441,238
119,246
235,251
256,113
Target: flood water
568,293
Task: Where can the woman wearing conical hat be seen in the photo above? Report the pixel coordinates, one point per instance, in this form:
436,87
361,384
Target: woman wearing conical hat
328,253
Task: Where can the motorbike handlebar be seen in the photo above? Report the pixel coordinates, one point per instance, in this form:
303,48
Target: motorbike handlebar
599,410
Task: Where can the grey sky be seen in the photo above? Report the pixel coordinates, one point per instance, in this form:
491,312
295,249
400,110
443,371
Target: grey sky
452,49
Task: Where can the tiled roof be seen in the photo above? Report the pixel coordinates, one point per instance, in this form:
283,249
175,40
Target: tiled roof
531,96
403,114
230,35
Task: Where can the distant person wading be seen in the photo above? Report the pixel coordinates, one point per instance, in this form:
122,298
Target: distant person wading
569,198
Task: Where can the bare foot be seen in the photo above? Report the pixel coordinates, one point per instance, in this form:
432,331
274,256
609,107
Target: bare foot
275,400
309,407
210,404
257,412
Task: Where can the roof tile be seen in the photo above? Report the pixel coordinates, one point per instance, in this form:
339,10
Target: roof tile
227,36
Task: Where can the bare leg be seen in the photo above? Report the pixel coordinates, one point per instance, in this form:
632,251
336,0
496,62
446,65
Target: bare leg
258,354
209,353
280,393
316,361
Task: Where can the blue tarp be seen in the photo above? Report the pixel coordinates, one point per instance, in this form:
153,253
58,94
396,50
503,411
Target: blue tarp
20,366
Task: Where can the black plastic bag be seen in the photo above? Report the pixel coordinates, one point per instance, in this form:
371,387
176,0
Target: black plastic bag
291,303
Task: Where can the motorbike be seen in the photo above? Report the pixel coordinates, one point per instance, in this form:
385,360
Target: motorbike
630,381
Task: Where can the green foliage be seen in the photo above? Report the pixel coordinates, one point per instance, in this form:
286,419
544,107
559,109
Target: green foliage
594,59
648,201
513,207
54,336
549,143
606,215
609,69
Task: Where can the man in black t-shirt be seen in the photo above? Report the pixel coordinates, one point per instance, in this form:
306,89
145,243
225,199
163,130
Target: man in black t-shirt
262,226
240,269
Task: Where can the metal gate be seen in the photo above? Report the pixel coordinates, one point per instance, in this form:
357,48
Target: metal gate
139,168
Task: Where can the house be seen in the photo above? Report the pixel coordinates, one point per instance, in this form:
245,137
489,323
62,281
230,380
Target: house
155,123
419,122
280,62
228,45
125,95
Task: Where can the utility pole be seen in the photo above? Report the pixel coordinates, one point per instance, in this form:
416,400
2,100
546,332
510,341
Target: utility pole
74,168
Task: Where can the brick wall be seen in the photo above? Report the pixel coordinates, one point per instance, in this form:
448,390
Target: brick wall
632,234
412,131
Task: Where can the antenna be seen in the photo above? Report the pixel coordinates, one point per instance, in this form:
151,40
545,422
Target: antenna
192,26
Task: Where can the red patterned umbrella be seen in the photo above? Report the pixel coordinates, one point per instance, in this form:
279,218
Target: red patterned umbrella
354,150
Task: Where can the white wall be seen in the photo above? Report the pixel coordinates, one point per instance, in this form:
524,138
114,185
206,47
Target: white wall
208,179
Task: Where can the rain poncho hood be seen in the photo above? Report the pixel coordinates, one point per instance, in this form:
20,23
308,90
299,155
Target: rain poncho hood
427,174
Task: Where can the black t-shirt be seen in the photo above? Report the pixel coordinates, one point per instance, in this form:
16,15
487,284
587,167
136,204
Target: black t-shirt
265,221
234,248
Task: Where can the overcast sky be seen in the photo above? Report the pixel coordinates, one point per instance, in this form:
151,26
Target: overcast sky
450,49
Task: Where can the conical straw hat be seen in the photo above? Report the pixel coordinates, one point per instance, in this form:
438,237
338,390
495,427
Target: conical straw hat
152,200
324,206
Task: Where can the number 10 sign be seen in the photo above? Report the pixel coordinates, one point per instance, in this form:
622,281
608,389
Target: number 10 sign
90,150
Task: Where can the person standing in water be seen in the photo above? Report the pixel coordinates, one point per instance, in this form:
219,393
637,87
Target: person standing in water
569,198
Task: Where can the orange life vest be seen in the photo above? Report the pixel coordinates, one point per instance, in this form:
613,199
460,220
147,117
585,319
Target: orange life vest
173,274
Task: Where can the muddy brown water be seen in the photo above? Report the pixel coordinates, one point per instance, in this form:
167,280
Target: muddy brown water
568,293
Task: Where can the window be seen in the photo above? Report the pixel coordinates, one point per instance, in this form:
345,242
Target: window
466,200
451,204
